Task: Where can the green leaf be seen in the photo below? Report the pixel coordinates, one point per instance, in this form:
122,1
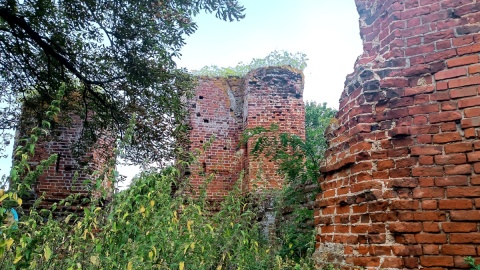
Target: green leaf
95,260
47,252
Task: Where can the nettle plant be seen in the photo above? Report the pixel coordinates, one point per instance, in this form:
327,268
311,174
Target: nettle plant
155,224
300,167
145,227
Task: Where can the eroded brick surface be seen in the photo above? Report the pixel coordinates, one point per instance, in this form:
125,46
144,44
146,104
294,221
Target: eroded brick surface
224,108
71,173
400,181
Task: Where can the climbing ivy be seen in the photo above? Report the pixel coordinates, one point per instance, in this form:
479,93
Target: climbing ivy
299,161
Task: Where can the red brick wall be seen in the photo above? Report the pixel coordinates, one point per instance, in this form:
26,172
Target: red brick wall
402,174
221,109
274,96
224,108
216,110
59,180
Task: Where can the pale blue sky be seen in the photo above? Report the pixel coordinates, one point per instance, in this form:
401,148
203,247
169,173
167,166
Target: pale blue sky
326,30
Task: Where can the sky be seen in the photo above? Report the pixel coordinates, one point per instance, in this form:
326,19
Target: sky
325,30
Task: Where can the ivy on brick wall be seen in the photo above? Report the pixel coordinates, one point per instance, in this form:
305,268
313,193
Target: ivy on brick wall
299,161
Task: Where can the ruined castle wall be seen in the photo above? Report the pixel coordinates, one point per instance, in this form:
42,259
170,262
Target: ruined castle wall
216,122
69,174
224,108
273,96
401,179
221,110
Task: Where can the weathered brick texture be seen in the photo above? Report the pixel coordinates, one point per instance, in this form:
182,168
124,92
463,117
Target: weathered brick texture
70,174
401,179
224,108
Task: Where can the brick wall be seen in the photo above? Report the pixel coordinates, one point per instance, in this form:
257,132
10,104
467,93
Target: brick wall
402,175
216,110
70,174
220,111
224,108
273,96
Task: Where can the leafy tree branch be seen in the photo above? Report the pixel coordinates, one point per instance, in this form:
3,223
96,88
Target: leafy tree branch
118,55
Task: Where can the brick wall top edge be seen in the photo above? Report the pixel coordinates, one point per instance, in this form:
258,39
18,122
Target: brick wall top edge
261,70
209,78
404,39
284,78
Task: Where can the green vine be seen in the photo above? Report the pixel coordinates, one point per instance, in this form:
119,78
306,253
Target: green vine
471,262
299,164
21,175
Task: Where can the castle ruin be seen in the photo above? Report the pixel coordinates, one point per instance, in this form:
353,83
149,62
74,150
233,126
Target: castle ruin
401,184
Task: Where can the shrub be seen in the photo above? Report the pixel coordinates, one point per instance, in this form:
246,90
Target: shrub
145,227
276,58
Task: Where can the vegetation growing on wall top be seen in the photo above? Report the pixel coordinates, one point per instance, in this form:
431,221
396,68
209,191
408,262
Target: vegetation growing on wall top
297,60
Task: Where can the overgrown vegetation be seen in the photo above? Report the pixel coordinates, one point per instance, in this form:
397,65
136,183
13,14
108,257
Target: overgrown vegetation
152,226
116,55
298,161
144,228
84,50
276,58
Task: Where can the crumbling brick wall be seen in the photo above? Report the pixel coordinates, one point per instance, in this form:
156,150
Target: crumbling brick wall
219,113
223,108
402,175
216,122
71,173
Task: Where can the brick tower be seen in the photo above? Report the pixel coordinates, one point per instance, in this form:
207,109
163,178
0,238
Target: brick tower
402,174
223,108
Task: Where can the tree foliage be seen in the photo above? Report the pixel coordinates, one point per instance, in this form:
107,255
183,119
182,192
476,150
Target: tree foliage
276,58
317,118
116,55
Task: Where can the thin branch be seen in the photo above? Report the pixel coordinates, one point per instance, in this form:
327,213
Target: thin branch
107,33
49,50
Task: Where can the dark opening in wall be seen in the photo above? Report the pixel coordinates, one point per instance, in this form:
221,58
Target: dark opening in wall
57,165
200,97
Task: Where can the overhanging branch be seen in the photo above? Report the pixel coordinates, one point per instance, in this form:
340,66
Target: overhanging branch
16,21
